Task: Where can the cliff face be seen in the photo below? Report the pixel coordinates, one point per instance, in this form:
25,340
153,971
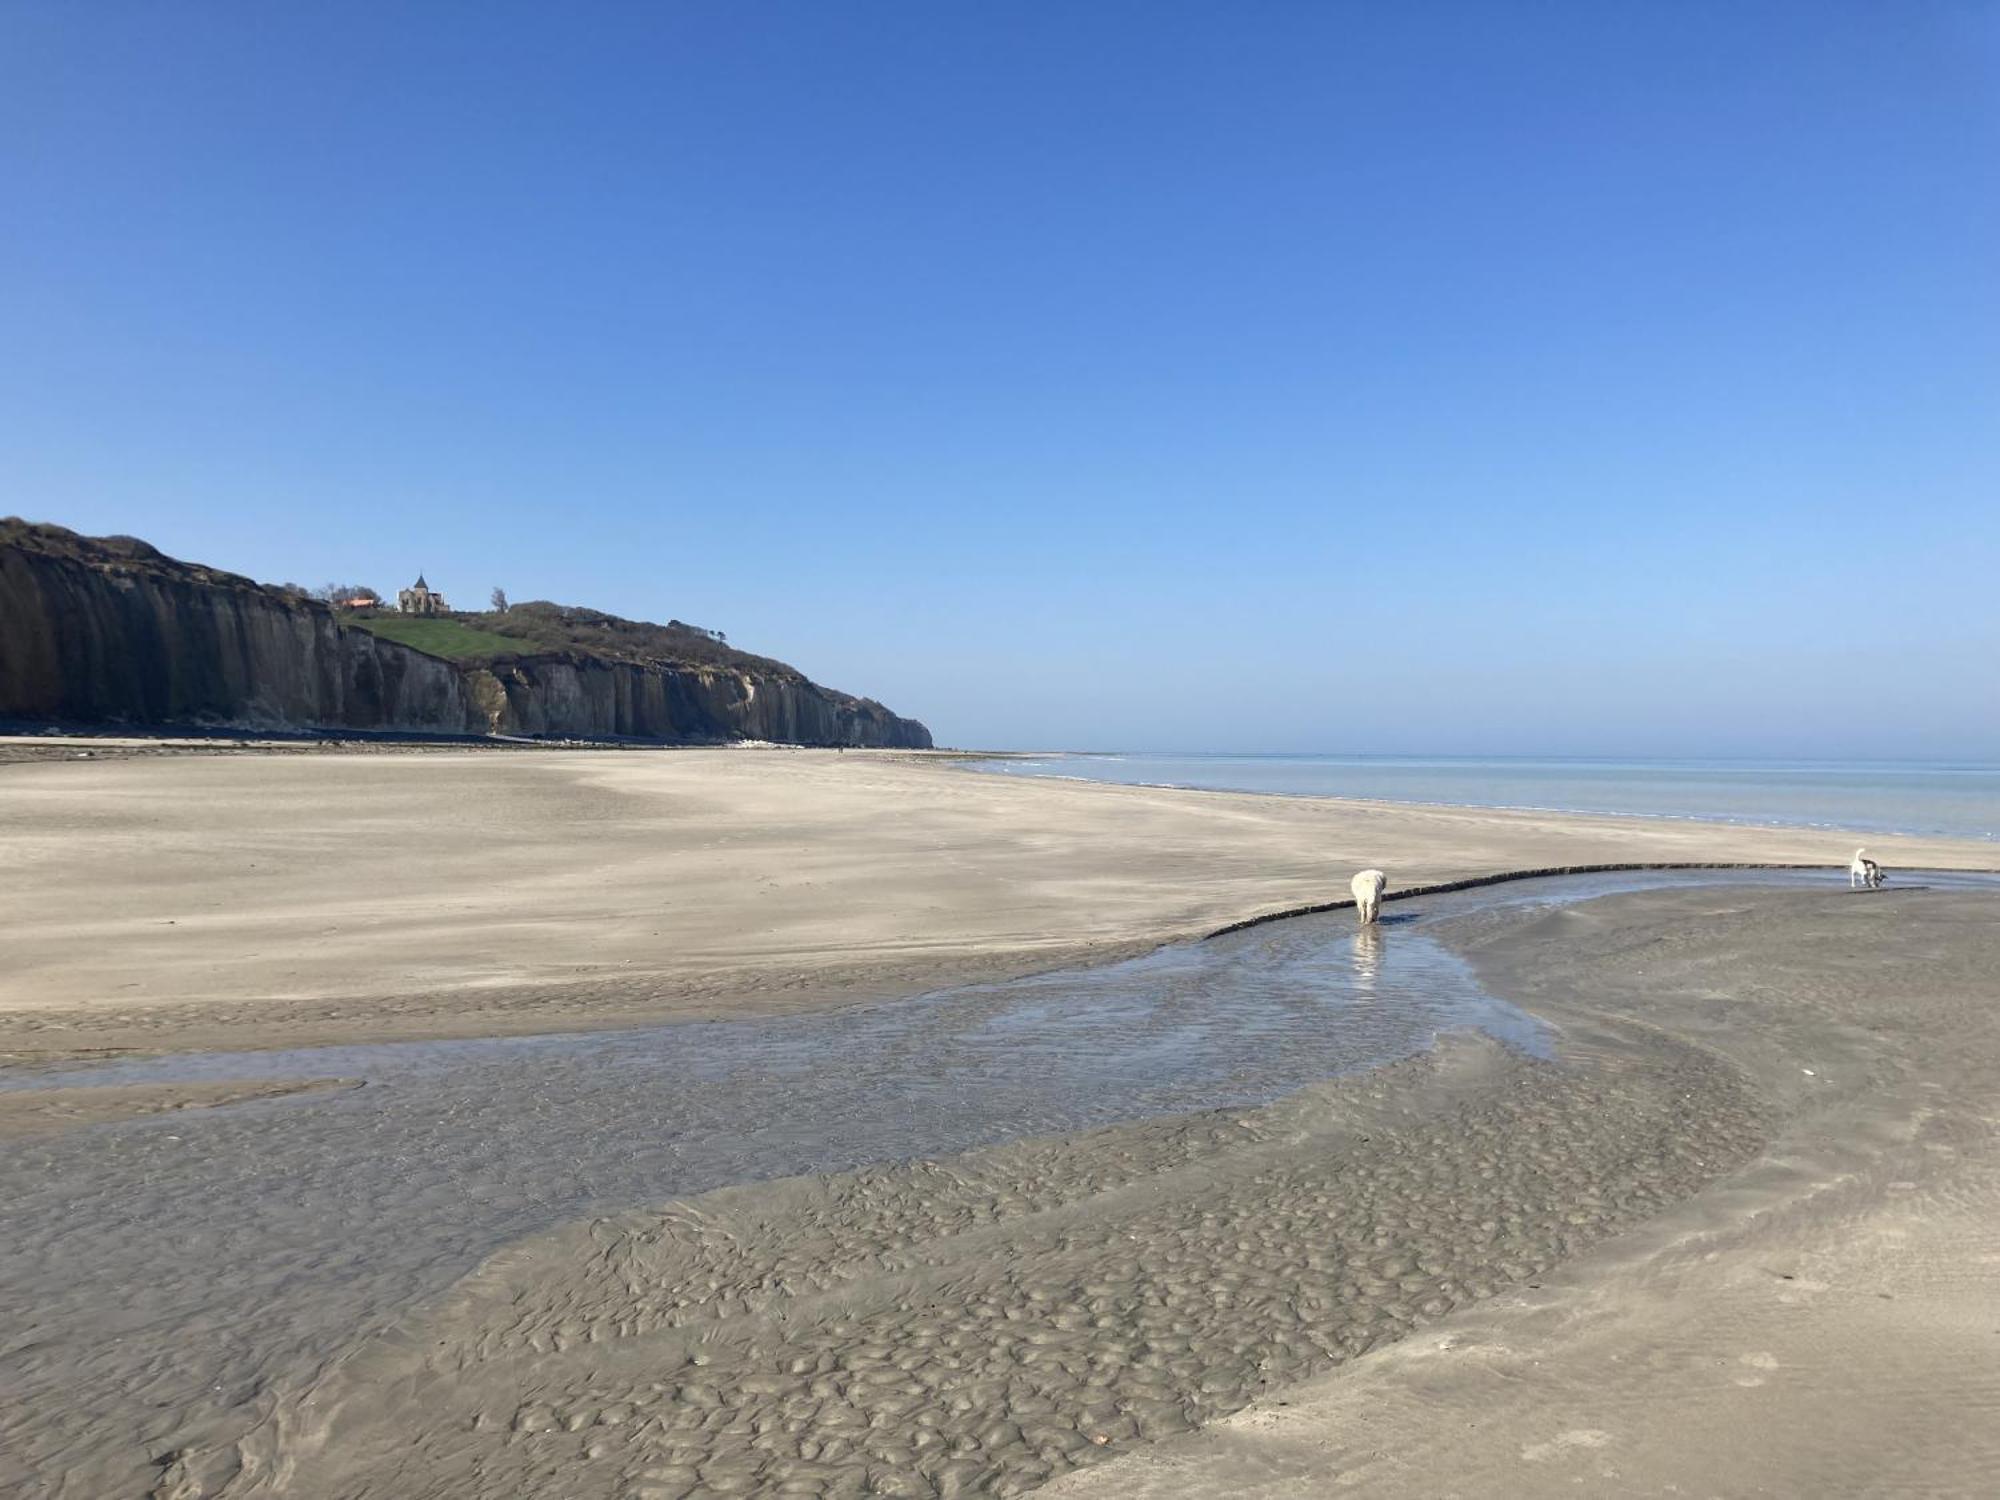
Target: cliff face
561,695
96,631
116,632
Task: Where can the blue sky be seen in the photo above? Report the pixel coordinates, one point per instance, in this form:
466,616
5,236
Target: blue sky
1526,377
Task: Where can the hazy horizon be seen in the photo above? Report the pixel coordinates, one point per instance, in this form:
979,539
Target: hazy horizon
1921,798
1442,379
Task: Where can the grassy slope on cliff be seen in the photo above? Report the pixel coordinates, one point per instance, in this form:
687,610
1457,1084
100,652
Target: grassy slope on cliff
541,628
452,639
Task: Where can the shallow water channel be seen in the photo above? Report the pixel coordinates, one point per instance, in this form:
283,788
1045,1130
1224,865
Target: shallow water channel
158,1276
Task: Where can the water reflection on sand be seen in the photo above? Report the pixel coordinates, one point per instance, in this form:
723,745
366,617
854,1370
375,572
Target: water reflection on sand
257,1237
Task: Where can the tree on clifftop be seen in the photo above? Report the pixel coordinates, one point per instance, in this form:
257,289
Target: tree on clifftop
499,601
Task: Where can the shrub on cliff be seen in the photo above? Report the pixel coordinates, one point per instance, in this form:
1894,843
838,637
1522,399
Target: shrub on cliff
544,626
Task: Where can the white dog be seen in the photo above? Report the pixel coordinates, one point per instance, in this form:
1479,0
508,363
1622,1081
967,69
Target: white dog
1863,871
1368,887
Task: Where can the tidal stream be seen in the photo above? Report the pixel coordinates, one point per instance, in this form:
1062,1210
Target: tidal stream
160,1276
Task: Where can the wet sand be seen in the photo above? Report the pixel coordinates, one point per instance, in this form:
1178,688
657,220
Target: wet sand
49,1111
1824,1319
199,901
980,1324
985,1321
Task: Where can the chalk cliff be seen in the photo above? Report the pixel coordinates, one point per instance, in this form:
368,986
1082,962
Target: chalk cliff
98,630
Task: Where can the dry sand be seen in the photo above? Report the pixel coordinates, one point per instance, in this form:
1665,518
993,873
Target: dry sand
257,900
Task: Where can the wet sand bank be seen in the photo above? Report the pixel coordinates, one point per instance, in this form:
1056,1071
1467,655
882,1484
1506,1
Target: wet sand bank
47,1111
1824,1319
976,1322
980,1324
216,1265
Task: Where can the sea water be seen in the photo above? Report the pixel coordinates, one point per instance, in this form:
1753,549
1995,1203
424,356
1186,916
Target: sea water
1945,799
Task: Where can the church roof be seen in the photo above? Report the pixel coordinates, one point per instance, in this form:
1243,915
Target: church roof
420,582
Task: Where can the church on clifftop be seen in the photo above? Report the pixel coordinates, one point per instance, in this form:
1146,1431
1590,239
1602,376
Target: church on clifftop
418,599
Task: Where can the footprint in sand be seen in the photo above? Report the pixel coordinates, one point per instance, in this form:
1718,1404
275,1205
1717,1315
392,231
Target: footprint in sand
1758,1361
1564,1442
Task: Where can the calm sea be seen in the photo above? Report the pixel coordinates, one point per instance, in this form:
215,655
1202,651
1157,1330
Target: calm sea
1952,799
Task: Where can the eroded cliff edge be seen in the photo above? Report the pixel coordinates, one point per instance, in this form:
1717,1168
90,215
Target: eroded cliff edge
109,630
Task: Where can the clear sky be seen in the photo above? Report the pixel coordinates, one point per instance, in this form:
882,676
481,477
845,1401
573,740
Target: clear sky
1516,377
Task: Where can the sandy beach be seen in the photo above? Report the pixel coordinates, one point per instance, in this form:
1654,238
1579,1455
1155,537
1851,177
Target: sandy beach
518,980
263,900
1734,1171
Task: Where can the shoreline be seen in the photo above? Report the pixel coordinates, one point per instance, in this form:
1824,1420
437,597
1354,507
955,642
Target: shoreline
22,744
1538,809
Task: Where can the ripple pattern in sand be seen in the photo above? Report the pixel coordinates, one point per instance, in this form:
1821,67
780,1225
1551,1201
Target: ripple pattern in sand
980,1324
164,1281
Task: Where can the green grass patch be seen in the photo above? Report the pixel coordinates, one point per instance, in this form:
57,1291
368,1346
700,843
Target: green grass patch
440,637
